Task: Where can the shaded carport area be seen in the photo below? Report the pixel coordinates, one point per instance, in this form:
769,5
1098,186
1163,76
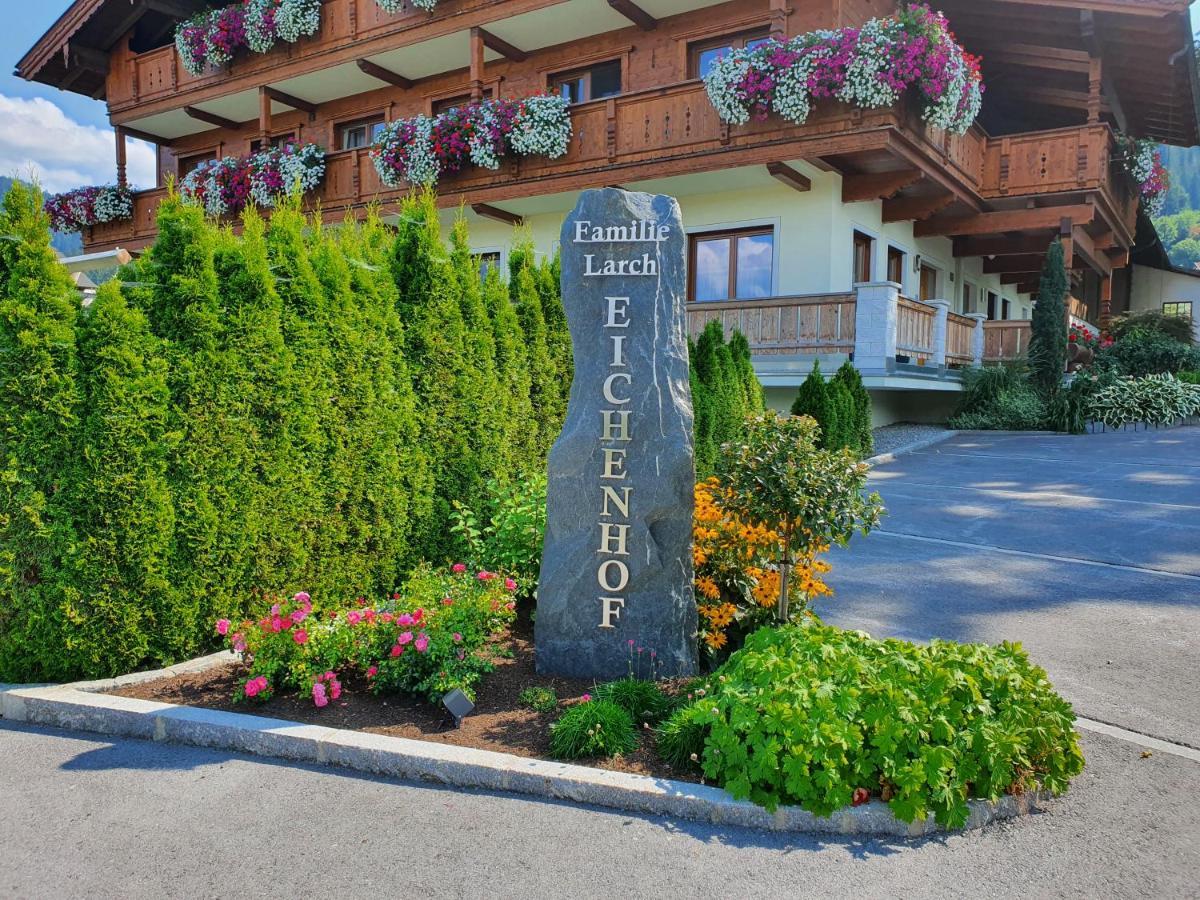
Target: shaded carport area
1085,549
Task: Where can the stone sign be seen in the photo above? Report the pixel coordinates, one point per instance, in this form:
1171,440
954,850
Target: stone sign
617,565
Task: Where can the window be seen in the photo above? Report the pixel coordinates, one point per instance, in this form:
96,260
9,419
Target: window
189,164
592,83
895,270
968,299
732,265
445,103
488,261
1007,310
1178,309
359,134
703,54
864,249
278,140
992,303
929,282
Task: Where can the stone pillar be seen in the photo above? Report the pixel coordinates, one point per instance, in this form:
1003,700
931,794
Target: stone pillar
977,338
875,321
941,311
617,563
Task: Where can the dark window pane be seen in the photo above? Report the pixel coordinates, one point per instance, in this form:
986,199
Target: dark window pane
572,89
712,269
754,259
707,58
606,80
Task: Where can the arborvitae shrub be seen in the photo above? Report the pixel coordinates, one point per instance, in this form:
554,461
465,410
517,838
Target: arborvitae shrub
519,446
546,394
845,418
814,399
725,391
1048,341
743,363
38,409
849,376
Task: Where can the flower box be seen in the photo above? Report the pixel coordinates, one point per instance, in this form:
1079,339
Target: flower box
227,186
84,207
210,39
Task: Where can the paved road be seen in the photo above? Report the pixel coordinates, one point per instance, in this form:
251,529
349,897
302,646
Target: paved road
1085,549
83,817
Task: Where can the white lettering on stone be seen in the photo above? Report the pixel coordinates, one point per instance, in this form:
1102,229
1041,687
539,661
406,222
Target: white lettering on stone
607,390
622,576
611,610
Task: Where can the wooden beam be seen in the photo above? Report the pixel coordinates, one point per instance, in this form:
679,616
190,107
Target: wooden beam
1024,262
385,75
147,137
1036,56
823,164
208,118
1027,287
999,222
1000,245
288,100
476,48
1118,258
499,45
174,8
89,58
486,211
634,14
1057,97
914,209
879,185
789,176
1086,249
1156,8
1020,277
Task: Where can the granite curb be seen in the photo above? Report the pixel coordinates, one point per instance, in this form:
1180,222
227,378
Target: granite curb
921,444
70,707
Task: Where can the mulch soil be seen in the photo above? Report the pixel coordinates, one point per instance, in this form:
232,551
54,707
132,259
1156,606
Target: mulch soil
500,722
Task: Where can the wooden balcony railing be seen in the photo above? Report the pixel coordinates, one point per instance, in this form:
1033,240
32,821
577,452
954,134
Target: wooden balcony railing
815,323
914,328
960,339
1006,339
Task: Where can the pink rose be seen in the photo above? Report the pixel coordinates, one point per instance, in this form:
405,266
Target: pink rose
418,615
353,618
373,671
405,619
387,618
252,687
300,636
303,598
319,697
397,650
276,624
509,584
275,610
335,689
223,627
422,643
458,568
457,638
299,616
239,643
485,575
405,638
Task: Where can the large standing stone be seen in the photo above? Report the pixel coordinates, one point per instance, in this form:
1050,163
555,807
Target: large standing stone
617,565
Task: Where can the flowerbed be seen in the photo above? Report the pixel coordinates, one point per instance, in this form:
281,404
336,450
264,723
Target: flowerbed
87,206
1143,161
226,186
869,67
420,149
210,39
425,640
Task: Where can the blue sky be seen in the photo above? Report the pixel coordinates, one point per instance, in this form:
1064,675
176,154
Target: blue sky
61,137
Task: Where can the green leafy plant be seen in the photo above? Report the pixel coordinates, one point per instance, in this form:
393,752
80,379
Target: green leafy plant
808,715
863,438
810,498
1153,400
999,398
506,529
643,700
1178,328
539,699
594,729
1144,352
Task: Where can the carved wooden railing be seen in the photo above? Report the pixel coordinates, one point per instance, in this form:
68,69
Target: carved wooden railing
1077,309
815,323
960,339
1006,339
914,328
142,227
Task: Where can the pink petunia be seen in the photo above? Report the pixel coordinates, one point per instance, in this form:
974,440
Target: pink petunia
458,568
300,636
422,643
319,696
223,627
509,584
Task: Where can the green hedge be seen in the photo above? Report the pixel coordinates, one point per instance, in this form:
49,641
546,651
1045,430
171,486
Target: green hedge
293,408
725,391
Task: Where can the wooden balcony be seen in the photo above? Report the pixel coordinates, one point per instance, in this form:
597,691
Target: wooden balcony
1006,340
960,338
814,324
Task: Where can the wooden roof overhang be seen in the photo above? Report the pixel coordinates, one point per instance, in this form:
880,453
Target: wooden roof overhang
73,54
1038,55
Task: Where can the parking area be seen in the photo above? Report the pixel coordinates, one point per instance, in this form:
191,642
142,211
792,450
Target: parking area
1085,549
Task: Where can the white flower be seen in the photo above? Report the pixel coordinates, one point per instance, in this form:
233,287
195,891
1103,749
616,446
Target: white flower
542,127
113,204
260,25
295,19
483,147
722,83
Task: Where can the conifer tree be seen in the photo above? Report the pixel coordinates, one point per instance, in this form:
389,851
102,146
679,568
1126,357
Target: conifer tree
844,420
118,594
813,399
38,404
716,369
520,441
1048,341
558,334
545,392
848,375
739,349
702,419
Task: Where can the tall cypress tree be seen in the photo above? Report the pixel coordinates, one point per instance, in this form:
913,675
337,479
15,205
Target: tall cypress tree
38,404
1048,342
702,418
558,333
545,392
118,593
848,375
743,362
813,399
716,370
520,443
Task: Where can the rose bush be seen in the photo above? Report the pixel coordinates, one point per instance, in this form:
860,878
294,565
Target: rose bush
425,640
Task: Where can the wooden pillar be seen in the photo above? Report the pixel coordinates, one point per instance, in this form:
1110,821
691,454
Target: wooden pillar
1066,236
779,12
1105,301
122,158
1095,90
264,119
476,64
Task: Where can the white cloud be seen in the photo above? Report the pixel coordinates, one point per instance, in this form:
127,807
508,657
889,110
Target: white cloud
39,139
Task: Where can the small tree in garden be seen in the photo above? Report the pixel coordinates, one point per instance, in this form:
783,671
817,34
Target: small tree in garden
780,479
739,349
1048,343
815,399
849,376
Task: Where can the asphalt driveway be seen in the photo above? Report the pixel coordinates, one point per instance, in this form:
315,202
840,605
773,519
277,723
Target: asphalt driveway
1085,549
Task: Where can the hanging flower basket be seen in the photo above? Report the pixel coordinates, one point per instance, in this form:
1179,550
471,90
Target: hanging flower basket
227,186
1143,161
420,149
87,206
870,67
395,6
210,39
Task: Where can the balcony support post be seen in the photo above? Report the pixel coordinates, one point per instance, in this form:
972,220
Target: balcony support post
264,119
876,319
1105,301
941,314
477,48
122,158
977,338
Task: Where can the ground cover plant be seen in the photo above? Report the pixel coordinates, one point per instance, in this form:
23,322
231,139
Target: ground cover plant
823,718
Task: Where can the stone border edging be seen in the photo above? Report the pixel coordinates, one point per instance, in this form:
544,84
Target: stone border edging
921,444
81,708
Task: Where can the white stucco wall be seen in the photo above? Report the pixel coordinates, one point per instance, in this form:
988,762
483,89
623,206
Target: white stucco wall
1151,288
